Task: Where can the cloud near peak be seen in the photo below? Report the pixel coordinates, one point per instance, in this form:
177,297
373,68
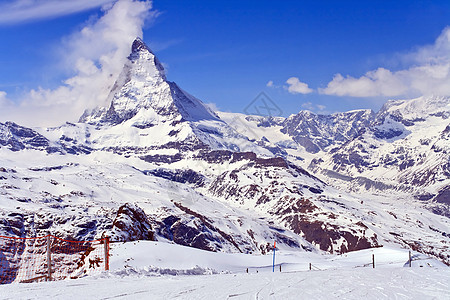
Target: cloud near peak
96,55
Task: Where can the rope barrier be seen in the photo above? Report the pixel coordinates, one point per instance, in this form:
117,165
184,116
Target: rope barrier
50,258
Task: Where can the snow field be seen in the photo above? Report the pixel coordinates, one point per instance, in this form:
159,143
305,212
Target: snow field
158,270
365,283
143,257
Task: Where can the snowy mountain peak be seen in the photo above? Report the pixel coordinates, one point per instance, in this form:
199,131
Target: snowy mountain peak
419,107
317,132
147,63
142,90
139,45
396,116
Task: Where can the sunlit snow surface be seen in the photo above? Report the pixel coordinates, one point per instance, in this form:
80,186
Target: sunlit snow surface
156,270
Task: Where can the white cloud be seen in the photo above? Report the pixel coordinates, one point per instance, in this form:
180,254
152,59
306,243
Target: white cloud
19,11
308,106
429,73
295,86
380,82
313,107
4,101
321,107
272,85
96,55
212,106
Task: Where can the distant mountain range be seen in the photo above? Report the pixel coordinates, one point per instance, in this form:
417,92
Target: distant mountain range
156,163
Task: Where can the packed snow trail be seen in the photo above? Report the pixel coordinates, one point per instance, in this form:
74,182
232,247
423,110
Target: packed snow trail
361,283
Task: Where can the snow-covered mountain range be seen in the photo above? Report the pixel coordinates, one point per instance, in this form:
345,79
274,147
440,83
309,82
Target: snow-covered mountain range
157,163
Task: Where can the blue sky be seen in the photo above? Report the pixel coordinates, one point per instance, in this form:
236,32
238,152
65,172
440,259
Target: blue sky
227,52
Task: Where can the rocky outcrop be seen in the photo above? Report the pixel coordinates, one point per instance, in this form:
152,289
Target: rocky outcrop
130,224
282,191
318,132
16,138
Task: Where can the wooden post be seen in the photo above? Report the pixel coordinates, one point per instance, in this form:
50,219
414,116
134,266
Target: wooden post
310,266
106,244
410,258
280,267
373,261
49,259
247,270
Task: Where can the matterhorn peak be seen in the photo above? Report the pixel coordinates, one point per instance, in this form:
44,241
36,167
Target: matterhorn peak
142,86
139,45
145,59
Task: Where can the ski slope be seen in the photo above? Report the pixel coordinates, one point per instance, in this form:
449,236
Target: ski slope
158,270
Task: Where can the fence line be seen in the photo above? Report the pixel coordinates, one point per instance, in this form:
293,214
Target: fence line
328,266
50,258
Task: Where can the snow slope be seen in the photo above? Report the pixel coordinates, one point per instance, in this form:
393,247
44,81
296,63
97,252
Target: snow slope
143,270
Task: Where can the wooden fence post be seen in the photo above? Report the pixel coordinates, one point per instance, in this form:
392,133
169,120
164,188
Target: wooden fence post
280,267
373,261
106,244
49,259
410,258
310,267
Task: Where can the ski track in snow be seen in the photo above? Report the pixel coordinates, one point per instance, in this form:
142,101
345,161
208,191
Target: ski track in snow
366,283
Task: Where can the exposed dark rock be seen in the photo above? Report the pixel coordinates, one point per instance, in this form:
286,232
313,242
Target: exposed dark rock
317,132
240,156
216,156
157,158
424,197
443,196
195,230
176,230
16,138
420,247
13,224
143,126
131,223
377,185
323,235
349,159
181,176
271,162
387,134
315,190
36,169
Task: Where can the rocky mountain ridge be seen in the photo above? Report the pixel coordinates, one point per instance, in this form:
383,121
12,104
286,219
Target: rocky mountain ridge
402,148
